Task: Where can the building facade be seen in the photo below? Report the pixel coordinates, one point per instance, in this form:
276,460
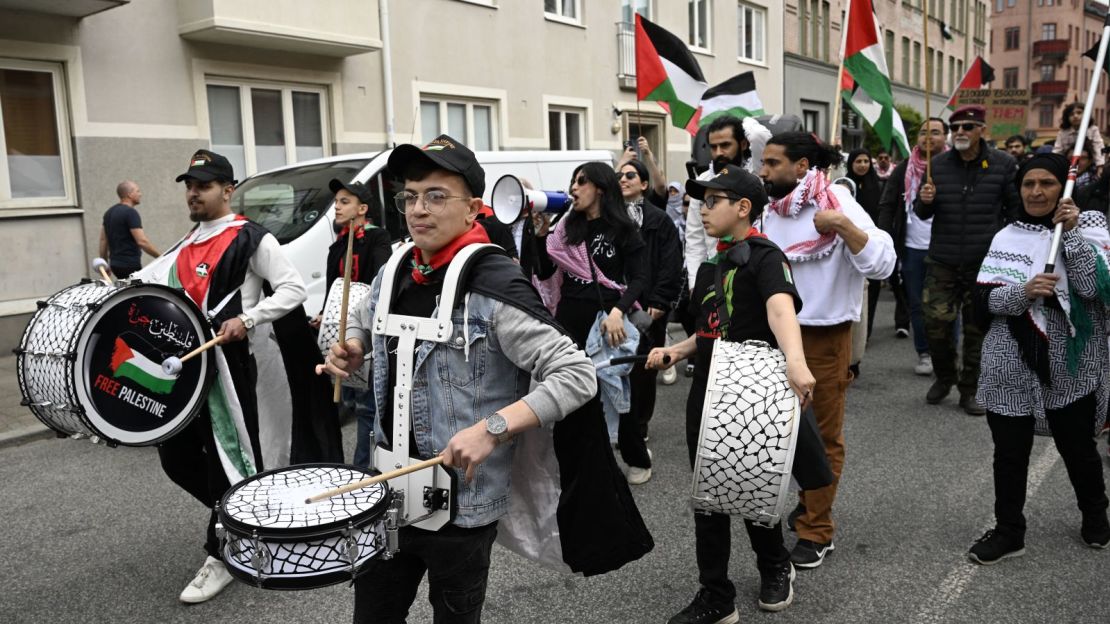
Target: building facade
93,92
1039,45
814,40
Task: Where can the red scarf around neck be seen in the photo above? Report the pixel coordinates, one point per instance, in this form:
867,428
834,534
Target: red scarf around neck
422,269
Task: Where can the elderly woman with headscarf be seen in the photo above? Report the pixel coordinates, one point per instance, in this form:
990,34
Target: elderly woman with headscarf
1045,354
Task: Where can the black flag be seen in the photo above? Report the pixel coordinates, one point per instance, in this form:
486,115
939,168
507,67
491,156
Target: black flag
1093,55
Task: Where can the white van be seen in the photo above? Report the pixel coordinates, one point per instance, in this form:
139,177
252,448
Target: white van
295,204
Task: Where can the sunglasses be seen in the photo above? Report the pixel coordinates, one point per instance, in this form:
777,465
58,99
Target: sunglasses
581,180
966,127
630,175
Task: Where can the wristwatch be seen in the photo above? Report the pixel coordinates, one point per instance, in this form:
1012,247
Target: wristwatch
248,322
498,427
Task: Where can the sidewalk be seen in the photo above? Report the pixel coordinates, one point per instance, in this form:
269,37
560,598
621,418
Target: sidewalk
17,424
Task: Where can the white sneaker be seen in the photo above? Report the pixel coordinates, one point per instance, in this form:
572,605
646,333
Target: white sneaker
924,365
210,580
669,376
639,476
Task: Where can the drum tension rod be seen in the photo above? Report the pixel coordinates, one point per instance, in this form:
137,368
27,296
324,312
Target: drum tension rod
436,499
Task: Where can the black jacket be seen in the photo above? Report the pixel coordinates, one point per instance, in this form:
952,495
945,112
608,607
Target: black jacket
973,201
892,208
369,253
665,260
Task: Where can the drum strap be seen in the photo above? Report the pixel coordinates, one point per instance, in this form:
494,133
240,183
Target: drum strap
738,255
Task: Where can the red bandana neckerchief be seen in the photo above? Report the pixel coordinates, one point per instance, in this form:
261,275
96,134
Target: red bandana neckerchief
421,269
728,242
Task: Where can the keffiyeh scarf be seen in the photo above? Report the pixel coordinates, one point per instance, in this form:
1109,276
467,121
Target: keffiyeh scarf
797,236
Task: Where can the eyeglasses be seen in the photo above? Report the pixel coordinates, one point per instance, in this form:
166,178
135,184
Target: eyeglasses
712,200
433,201
966,127
630,175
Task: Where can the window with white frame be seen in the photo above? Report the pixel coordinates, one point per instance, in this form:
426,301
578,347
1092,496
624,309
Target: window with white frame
35,166
565,129
565,9
263,126
700,18
752,25
469,121
629,9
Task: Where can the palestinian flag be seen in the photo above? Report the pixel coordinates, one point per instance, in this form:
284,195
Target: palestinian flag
666,72
735,96
977,75
140,369
865,62
1093,55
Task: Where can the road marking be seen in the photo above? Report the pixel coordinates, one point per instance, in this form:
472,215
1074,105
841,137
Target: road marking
953,585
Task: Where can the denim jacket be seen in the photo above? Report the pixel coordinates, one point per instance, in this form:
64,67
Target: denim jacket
486,364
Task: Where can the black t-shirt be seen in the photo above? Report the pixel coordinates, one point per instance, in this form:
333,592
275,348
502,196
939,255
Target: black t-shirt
766,273
619,258
123,251
412,299
369,253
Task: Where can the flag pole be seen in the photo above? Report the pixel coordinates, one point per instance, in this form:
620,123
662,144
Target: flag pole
834,130
1080,139
928,92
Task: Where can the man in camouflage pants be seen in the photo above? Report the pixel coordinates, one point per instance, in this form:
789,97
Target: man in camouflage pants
970,196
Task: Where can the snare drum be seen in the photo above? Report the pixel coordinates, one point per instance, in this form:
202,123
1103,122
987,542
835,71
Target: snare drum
90,362
329,327
749,432
273,539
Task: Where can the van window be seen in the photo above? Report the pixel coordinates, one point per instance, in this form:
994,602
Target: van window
288,202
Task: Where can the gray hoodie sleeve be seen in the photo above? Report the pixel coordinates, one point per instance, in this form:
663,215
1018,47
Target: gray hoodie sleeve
565,377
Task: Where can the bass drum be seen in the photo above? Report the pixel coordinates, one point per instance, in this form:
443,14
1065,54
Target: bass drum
749,433
329,327
90,362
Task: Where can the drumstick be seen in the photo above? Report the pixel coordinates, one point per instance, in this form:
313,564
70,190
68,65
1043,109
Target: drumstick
100,264
346,296
385,476
172,365
628,359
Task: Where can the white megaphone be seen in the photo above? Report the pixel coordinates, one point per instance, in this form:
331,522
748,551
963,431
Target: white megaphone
509,197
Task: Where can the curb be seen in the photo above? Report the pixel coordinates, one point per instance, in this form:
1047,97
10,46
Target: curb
24,435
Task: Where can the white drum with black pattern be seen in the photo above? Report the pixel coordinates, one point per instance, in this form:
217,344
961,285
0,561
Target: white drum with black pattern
272,538
329,326
749,432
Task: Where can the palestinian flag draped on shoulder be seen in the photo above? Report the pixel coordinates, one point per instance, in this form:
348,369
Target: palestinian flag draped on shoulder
735,97
864,60
668,73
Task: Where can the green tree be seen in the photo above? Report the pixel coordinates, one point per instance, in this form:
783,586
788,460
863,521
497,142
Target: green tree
911,121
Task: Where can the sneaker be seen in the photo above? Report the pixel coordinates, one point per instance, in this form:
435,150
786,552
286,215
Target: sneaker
808,554
210,580
776,588
639,476
924,365
792,517
669,376
994,547
702,611
1096,531
937,392
971,406
901,332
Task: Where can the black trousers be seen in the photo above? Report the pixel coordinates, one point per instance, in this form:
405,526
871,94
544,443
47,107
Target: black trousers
189,459
633,425
901,303
457,563
713,531
1072,432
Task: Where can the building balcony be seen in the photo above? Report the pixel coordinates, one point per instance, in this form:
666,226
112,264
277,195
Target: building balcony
626,55
1051,49
1051,89
338,28
65,8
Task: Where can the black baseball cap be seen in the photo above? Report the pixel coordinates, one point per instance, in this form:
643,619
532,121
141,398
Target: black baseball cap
358,189
443,152
736,181
207,166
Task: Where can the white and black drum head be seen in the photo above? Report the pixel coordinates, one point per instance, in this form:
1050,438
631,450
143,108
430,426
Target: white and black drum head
275,540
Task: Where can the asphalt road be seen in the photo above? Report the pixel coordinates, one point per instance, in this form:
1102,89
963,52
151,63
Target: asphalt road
98,535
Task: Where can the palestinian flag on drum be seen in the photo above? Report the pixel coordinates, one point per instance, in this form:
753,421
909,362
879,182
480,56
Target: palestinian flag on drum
668,73
128,363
